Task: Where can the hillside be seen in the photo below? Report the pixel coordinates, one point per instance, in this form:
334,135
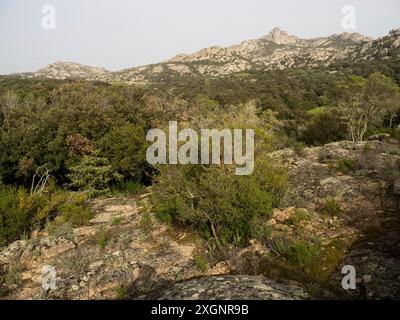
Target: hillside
124,253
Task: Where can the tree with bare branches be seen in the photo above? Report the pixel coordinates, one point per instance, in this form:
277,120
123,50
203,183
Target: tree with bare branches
366,102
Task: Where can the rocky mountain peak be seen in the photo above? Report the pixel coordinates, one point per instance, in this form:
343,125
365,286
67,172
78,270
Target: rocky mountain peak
280,36
354,36
65,69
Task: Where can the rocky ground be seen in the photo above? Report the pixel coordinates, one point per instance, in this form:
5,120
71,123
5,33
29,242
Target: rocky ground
125,253
364,179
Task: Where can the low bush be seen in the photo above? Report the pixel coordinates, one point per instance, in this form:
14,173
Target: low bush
93,174
298,217
347,165
216,202
331,207
21,211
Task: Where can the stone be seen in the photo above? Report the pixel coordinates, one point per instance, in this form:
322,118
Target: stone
367,278
96,265
229,287
379,137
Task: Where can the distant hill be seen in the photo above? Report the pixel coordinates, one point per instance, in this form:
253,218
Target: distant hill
276,50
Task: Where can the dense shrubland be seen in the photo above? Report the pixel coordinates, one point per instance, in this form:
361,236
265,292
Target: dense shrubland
91,138
22,211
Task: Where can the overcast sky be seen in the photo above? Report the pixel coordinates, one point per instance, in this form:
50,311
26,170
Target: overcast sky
118,34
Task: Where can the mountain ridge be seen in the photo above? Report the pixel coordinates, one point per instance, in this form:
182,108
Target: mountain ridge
276,50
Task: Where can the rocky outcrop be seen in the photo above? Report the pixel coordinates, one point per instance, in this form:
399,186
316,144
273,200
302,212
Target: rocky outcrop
279,36
229,288
70,70
362,178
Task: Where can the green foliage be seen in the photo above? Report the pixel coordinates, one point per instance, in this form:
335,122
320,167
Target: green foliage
201,263
93,174
116,221
298,217
304,254
324,127
297,255
299,148
331,207
121,293
58,125
102,239
260,230
146,223
305,260
215,201
21,211
125,147
280,246
366,102
317,111
347,165
128,187
57,122
75,213
11,278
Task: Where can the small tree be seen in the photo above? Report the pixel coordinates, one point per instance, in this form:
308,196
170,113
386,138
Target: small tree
366,102
93,174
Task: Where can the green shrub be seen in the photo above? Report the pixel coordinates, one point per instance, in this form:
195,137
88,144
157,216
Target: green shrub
299,148
305,260
347,165
331,207
93,174
260,230
11,278
304,254
102,239
298,217
21,212
323,127
128,187
121,293
125,147
146,223
116,221
280,246
201,263
215,201
367,147
75,214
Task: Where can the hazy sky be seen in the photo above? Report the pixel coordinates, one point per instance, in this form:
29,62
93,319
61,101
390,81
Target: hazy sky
118,34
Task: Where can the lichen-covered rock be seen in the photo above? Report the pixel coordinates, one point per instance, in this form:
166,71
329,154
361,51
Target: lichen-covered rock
229,288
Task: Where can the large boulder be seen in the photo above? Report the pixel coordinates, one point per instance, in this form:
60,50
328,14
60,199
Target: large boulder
229,287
